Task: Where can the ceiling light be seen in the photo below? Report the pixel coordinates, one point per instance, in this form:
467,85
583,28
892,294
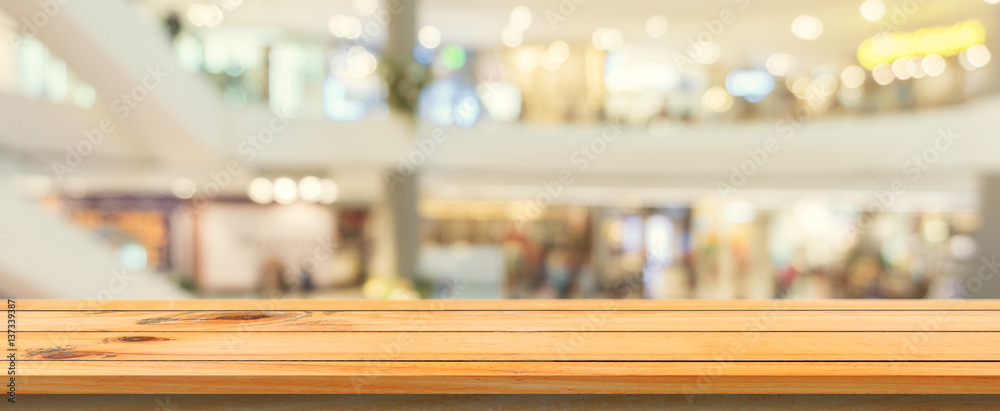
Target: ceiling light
261,191
853,76
521,17
607,39
882,74
975,57
284,190
183,188
807,27
345,26
901,69
310,189
213,15
512,36
360,62
559,51
933,65
780,64
429,37
656,26
872,10
197,14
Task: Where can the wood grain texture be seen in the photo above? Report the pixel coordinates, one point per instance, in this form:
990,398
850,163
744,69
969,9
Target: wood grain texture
479,321
528,402
207,377
503,305
508,346
534,347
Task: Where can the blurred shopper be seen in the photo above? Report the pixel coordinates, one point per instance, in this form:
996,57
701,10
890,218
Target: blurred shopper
273,277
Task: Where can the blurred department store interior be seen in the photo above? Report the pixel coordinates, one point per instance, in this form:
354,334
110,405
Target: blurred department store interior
399,149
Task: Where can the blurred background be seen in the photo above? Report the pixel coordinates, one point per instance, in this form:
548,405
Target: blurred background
400,149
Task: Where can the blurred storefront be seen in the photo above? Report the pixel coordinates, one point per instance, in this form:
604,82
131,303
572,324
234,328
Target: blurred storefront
646,118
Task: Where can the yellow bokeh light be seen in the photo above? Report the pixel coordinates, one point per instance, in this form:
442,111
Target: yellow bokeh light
942,41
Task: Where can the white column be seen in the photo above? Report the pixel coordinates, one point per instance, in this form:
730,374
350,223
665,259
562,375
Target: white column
983,280
401,202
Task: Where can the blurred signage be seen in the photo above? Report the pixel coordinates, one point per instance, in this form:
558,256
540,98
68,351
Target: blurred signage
943,41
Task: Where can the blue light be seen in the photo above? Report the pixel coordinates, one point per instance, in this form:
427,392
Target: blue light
448,102
752,85
423,55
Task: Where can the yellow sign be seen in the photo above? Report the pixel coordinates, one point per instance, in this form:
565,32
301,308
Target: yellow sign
943,41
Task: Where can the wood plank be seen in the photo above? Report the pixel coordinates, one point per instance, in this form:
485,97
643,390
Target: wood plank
688,347
507,346
528,402
210,377
505,305
479,321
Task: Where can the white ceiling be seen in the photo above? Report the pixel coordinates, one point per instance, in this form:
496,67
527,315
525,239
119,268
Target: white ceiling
762,28
842,153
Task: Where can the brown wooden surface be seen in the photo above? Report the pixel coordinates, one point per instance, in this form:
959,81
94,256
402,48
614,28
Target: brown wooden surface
826,320
506,305
598,346
529,402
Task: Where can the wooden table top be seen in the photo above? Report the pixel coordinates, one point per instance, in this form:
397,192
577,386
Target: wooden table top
519,346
